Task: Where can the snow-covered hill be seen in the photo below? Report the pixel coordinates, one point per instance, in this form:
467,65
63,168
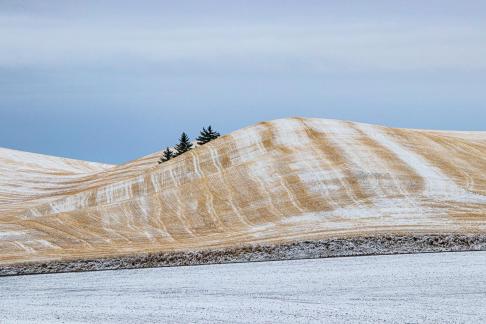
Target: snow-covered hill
27,179
286,180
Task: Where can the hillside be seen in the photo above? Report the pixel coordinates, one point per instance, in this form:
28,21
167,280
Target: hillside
28,179
276,182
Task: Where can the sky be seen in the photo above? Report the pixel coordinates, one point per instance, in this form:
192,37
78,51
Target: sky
111,81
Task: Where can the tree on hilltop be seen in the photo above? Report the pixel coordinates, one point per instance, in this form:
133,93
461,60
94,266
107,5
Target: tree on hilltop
207,135
184,144
166,155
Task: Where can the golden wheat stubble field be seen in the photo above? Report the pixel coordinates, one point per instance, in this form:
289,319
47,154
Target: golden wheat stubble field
273,182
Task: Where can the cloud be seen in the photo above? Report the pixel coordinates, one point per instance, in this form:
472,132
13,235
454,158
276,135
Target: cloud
42,42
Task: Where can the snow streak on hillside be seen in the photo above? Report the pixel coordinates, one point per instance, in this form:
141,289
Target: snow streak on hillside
274,182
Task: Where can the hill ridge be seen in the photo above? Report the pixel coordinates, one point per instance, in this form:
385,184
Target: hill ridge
269,183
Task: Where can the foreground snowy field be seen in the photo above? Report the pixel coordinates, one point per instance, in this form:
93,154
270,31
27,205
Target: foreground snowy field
445,287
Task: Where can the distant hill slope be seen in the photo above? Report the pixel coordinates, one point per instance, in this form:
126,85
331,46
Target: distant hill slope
275,182
27,179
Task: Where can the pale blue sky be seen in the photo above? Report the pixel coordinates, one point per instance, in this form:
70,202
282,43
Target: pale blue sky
114,80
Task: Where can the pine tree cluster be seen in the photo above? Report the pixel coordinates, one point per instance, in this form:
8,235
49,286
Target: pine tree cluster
184,145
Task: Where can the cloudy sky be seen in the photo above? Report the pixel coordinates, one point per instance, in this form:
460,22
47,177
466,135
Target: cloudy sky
114,80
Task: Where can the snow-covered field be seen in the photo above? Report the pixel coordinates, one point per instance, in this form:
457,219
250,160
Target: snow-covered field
442,288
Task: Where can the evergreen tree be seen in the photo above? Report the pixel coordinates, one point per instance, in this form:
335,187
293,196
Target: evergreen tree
184,144
166,155
207,135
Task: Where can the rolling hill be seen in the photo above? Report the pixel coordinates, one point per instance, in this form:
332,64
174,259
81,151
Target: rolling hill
271,184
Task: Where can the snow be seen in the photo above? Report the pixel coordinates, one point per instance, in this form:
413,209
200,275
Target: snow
11,235
416,288
289,132
280,180
24,176
50,162
438,184
391,212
